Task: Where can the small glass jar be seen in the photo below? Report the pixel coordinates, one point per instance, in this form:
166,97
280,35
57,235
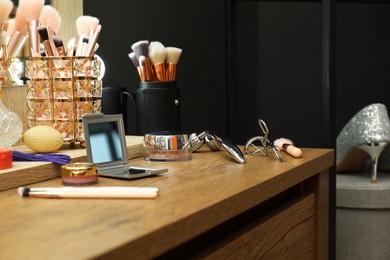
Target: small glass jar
167,146
79,174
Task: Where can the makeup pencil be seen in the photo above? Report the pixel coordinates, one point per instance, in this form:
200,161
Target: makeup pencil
107,192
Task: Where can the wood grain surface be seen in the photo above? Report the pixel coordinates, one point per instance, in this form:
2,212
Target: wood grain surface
25,173
195,196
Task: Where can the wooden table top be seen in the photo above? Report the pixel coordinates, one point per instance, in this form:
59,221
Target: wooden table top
194,196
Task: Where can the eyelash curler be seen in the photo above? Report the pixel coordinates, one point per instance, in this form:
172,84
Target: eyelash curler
251,148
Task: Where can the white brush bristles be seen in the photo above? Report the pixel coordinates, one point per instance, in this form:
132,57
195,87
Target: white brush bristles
157,52
173,55
93,23
51,18
133,59
82,25
5,10
141,48
31,9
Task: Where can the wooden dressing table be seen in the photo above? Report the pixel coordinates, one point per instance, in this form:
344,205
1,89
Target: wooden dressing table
208,207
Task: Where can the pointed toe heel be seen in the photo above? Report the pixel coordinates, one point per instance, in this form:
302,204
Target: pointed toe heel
365,135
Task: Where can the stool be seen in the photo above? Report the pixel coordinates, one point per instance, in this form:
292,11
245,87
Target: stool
362,216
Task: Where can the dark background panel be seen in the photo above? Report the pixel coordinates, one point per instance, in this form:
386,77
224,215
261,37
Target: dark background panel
363,57
198,27
278,58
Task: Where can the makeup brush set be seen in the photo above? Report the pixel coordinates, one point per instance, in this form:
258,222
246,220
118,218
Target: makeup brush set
154,61
40,24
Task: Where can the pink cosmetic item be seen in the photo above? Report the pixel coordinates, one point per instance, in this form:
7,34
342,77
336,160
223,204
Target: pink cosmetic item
79,174
287,145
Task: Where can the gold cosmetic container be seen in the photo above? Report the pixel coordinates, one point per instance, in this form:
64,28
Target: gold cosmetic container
79,174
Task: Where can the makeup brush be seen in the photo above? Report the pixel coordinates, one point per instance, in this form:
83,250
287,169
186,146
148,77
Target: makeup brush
5,10
287,145
31,10
50,18
70,47
135,61
141,48
18,36
83,29
172,57
3,39
93,24
92,41
9,27
142,67
44,34
106,192
59,45
157,55
81,47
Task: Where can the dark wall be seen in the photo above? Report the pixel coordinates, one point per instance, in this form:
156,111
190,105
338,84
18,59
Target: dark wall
198,28
275,57
278,57
363,57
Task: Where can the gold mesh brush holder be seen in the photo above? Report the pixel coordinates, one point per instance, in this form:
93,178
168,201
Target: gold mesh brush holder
5,75
60,90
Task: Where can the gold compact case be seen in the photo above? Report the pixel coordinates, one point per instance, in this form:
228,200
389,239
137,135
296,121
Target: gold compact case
79,174
167,146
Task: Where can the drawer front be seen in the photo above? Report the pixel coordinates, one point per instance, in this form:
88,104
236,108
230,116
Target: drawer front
288,232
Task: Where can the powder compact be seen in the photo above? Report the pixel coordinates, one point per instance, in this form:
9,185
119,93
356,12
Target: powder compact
167,146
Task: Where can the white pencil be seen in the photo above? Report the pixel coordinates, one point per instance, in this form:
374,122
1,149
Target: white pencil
91,192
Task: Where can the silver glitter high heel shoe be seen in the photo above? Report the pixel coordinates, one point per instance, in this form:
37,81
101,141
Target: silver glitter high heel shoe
366,133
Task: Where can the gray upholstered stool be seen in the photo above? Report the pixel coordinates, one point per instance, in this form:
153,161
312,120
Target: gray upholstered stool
362,216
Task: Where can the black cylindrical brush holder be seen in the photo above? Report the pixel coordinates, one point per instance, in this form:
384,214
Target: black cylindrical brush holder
157,106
